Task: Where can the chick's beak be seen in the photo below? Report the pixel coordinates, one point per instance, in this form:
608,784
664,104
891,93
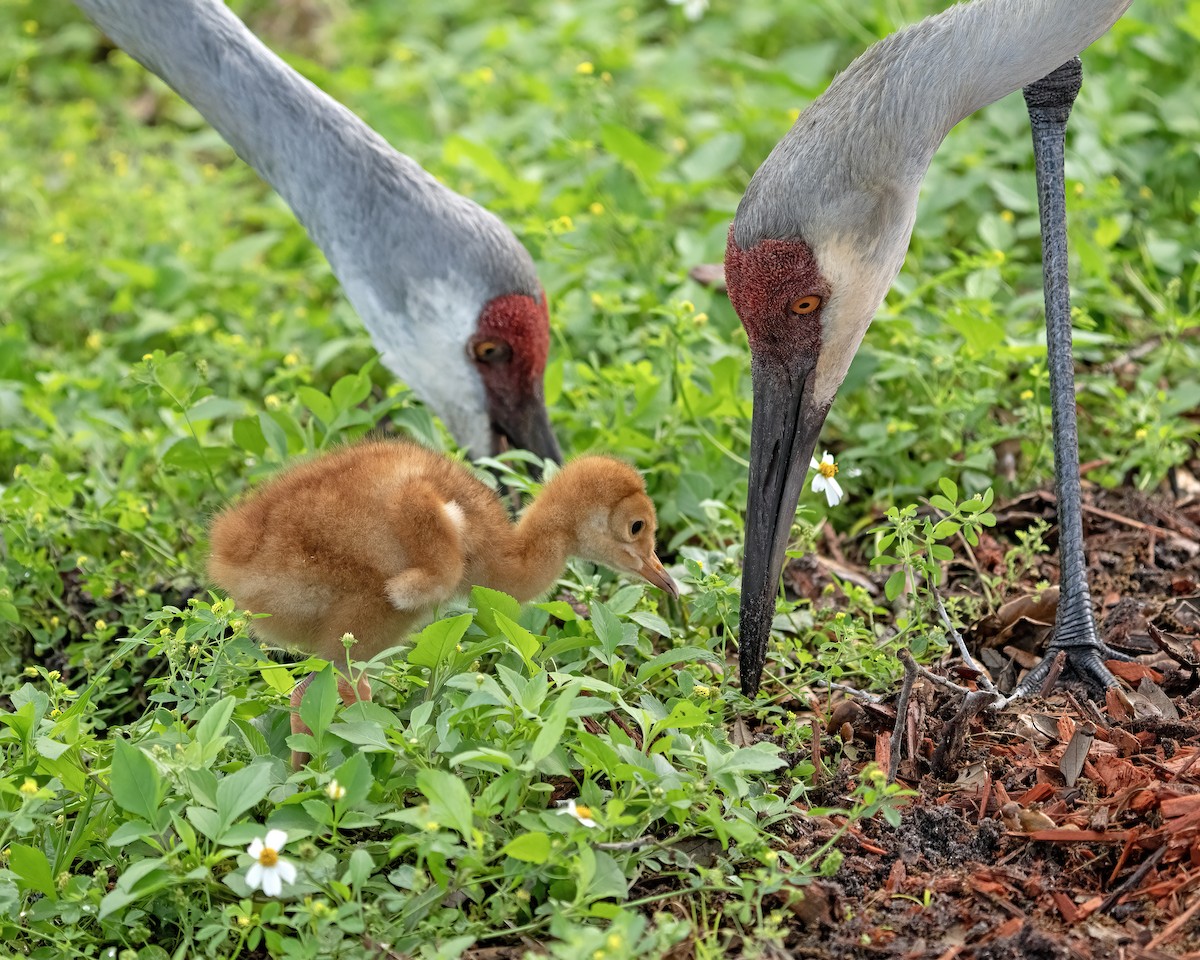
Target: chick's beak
783,434
653,571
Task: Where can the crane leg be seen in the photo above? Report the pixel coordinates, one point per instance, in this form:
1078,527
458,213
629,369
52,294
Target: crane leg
1049,101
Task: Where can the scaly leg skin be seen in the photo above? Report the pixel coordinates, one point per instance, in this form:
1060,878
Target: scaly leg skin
1049,101
349,692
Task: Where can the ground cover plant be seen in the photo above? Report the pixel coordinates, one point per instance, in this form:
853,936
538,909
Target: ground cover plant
580,777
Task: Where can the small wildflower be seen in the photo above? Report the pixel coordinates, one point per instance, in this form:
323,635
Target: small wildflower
597,299
701,690
563,224
31,671
68,158
432,825
54,675
272,401
334,790
29,787
1145,193
823,482
486,75
1007,216
147,357
30,27
700,319
269,871
585,69
58,238
1026,394
101,625
81,560
794,114
348,640
596,209
291,360
692,9
1141,433
578,811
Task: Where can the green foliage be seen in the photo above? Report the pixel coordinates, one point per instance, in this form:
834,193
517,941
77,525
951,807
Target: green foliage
169,336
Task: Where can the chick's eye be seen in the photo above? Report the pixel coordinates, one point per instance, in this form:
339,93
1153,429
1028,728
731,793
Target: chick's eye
491,351
803,305
637,527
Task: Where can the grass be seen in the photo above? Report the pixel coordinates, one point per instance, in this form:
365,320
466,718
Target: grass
168,335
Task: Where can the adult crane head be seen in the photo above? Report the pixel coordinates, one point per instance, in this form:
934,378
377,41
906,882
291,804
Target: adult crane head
809,259
448,293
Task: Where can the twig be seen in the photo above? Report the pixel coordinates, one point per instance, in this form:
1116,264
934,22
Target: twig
984,680
974,703
910,677
861,694
1132,882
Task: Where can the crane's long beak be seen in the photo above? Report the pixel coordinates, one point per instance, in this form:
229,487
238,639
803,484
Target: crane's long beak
526,425
783,434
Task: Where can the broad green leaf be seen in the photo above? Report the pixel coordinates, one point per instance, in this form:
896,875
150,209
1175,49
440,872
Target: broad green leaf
669,657
488,603
320,700
449,802
532,847
135,783
894,585
436,644
32,869
239,791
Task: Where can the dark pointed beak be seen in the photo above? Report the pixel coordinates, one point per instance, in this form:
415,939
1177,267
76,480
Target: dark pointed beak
783,434
526,425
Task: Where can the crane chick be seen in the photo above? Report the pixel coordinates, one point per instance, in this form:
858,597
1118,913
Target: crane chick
371,538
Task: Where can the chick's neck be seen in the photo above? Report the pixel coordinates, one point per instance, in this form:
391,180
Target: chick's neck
539,545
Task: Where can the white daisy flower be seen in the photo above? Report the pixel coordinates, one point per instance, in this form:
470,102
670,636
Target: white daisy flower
269,870
334,790
578,811
823,482
692,9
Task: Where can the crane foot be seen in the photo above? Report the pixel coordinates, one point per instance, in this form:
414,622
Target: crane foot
1084,662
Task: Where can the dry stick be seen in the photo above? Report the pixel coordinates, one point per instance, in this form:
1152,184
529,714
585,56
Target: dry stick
910,677
1134,879
984,680
974,703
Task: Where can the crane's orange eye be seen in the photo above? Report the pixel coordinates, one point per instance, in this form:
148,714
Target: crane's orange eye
803,305
491,351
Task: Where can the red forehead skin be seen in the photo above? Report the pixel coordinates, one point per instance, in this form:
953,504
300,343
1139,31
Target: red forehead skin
524,323
763,282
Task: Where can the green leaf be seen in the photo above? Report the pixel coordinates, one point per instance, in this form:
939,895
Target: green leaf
608,628
488,603
712,158
670,657
135,783
949,488
945,528
355,776
437,643
320,700
32,869
350,391
526,643
449,802
551,734
895,584
239,791
532,847
645,160
757,758
248,435
318,403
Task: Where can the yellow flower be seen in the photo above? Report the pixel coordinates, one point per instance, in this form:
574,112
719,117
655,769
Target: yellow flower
58,238
596,209
29,787
1026,394
1007,216
597,300
687,306
1141,433
30,27
68,158
432,825
93,340
587,68
101,625
485,75
794,114
31,671
81,560
291,359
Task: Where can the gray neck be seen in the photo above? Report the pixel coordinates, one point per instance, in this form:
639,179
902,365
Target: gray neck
870,137
417,260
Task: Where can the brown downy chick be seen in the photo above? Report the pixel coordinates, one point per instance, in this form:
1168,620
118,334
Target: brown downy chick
371,538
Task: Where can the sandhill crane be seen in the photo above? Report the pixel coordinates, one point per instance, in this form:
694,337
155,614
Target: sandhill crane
450,296
823,230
